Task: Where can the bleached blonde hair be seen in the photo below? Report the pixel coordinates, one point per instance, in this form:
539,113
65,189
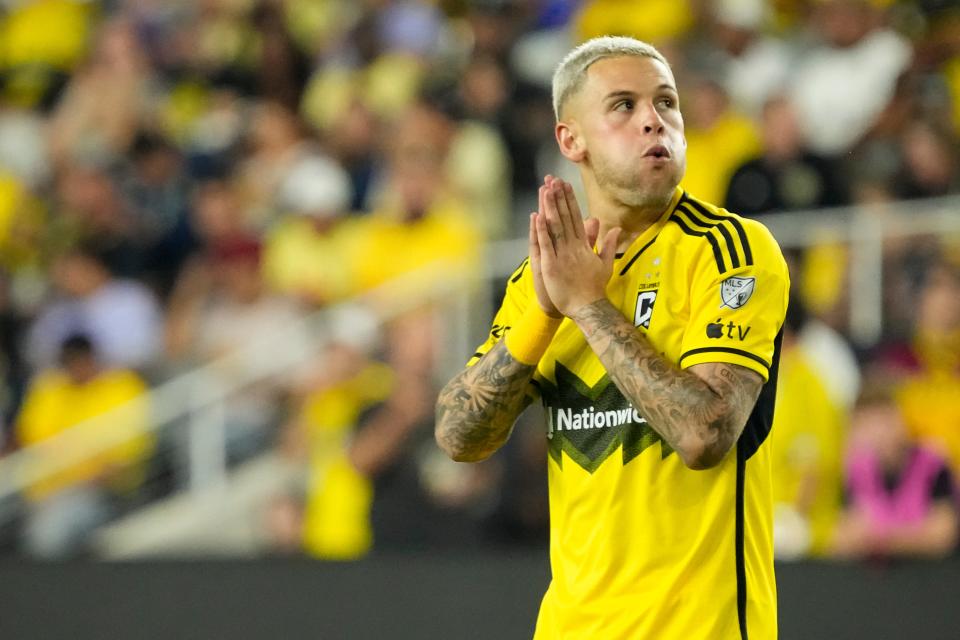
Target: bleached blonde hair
571,73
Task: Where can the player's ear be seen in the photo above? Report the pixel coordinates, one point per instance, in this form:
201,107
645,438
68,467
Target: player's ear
570,141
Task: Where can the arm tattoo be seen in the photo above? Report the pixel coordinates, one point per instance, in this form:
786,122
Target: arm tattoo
477,409
700,414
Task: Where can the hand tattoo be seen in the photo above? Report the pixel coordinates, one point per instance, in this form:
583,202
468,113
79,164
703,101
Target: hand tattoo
700,412
477,409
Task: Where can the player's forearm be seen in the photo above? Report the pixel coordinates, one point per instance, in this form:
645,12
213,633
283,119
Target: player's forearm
689,415
477,409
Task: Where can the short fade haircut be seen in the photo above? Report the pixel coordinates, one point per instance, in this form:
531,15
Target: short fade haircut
572,71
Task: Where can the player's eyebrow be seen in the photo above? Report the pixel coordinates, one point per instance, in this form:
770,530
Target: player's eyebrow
626,93
623,93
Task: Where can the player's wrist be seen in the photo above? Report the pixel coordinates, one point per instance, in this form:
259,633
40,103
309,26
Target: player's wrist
576,309
529,339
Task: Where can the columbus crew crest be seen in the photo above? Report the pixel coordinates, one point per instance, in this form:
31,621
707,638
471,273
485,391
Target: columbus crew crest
644,310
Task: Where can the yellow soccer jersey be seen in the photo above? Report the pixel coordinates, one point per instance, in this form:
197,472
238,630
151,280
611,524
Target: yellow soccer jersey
641,547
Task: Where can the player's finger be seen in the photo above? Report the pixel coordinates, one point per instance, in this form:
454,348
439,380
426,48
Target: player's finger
563,210
591,227
576,216
547,250
534,245
551,217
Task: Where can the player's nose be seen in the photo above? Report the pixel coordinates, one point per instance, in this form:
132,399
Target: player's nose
650,120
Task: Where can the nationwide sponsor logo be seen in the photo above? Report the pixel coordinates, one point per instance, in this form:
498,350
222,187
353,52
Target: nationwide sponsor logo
715,330
590,418
735,292
644,309
590,423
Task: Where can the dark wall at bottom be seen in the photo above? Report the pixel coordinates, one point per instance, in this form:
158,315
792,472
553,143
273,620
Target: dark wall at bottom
419,596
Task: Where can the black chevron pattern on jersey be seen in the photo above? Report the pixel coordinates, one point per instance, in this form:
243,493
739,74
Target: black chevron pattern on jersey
587,444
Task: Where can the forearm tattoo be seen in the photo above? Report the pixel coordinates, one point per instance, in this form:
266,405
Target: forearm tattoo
699,416
477,409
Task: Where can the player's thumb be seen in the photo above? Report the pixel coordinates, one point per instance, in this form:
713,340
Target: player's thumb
608,252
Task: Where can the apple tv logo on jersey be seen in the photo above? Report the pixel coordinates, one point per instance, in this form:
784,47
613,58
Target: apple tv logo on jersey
715,329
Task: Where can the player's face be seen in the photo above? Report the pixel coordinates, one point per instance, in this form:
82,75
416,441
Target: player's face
628,115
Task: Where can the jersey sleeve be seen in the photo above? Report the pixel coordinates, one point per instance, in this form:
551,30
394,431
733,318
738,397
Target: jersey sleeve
736,315
515,300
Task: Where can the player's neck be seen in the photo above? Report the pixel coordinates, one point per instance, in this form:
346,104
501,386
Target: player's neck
632,220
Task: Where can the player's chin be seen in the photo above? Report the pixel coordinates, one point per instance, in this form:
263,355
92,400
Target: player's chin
658,179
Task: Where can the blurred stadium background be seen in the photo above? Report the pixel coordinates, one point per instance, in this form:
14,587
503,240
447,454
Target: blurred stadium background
243,243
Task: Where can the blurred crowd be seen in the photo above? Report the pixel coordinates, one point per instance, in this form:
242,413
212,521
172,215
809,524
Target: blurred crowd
179,179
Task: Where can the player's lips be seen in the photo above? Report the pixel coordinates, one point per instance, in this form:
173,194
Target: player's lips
657,151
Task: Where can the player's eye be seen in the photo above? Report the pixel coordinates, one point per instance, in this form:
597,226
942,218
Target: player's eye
666,103
623,105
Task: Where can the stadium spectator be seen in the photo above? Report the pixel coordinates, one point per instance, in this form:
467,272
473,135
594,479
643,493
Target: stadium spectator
719,139
331,510
283,68
843,84
80,492
277,142
901,495
417,218
786,176
120,316
219,306
478,164
930,393
106,101
156,189
809,428
90,210
310,252
42,44
929,165
216,214
354,139
755,66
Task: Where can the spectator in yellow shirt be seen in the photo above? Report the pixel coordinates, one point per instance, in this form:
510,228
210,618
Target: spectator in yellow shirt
719,139
77,490
309,252
809,429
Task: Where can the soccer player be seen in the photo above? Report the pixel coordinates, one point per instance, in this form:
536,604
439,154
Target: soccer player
654,354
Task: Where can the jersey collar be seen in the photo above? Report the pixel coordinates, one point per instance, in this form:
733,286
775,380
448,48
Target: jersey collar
645,239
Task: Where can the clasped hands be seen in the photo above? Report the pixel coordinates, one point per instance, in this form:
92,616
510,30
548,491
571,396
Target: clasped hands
567,273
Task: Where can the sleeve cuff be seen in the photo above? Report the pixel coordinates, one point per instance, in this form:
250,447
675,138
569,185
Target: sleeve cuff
728,355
